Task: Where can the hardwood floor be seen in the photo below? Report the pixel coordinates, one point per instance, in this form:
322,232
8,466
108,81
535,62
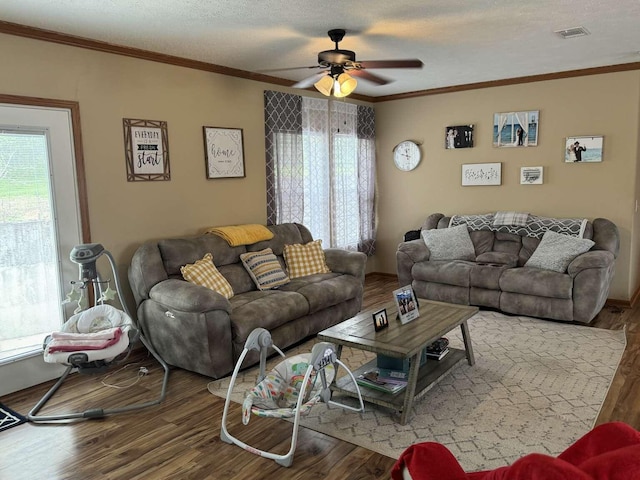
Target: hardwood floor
180,438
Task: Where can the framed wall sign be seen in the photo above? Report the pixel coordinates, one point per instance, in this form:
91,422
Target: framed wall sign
146,146
481,174
224,152
531,175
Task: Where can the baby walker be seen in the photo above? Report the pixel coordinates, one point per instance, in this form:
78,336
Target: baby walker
94,338
289,390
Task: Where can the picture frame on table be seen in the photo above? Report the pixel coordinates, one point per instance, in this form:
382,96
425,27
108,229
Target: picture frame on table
224,152
406,303
380,320
146,148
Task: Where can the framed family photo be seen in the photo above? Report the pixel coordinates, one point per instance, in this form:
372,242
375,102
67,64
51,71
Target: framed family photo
406,303
380,320
583,149
224,152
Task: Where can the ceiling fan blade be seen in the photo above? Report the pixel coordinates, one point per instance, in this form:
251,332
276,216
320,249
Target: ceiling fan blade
369,76
292,68
307,82
408,63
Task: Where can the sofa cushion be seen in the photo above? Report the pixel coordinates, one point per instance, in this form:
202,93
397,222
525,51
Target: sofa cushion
556,251
267,309
325,290
305,259
448,272
498,258
449,243
264,268
203,272
538,282
486,275
176,252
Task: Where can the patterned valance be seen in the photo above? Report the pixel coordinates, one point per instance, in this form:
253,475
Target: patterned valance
535,226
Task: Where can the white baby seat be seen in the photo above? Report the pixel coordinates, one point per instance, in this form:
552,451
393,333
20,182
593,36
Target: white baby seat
291,389
91,339
94,339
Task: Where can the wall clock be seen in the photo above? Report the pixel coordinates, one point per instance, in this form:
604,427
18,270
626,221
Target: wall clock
406,155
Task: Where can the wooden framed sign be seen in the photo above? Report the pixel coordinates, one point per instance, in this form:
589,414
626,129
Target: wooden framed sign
146,146
224,152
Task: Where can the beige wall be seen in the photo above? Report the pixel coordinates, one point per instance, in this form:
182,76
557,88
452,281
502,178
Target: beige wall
596,105
111,87
125,214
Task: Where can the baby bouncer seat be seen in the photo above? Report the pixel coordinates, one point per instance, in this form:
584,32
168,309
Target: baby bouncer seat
96,338
290,389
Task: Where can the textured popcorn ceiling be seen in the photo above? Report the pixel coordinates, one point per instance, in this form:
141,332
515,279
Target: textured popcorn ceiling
459,41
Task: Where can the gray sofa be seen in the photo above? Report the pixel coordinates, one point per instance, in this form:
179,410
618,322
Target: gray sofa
195,328
496,276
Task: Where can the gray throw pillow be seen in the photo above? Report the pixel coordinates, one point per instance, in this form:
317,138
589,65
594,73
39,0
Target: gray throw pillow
452,243
556,251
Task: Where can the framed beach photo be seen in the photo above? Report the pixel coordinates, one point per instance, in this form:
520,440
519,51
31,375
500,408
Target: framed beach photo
406,303
516,129
380,320
458,136
583,149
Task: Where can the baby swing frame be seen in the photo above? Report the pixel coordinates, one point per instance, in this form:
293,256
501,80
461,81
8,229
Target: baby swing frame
322,355
85,256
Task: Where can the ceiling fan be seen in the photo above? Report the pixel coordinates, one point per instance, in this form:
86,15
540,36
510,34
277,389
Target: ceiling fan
340,66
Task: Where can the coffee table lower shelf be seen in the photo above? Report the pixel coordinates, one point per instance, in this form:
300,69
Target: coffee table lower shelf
429,374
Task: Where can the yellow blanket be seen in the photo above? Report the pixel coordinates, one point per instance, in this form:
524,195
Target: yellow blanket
236,235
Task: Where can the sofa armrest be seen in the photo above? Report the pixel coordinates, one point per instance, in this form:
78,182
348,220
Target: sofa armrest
590,259
346,261
188,297
415,250
408,254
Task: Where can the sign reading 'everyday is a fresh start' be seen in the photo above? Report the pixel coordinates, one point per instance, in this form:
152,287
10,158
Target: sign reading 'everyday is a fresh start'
146,143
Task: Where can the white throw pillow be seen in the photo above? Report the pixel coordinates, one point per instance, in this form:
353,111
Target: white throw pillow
556,251
452,243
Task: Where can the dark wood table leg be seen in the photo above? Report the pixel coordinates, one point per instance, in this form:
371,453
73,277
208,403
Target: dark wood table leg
410,391
467,343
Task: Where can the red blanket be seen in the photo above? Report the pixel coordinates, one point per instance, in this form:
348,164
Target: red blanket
608,452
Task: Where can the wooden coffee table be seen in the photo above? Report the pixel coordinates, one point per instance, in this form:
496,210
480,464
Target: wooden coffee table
403,341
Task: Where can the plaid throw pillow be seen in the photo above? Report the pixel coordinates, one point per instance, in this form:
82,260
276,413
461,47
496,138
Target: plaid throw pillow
204,272
306,259
264,269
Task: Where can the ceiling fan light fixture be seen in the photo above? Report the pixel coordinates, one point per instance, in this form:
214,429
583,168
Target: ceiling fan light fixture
324,85
345,85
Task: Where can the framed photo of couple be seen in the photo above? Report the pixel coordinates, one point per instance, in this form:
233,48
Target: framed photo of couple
406,303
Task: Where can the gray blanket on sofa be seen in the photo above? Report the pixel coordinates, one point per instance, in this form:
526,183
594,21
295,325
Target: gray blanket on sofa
534,226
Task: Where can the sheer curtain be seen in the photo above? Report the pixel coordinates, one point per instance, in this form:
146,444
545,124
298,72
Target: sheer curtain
523,120
321,168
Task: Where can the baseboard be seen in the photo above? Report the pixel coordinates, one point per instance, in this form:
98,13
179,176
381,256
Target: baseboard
381,274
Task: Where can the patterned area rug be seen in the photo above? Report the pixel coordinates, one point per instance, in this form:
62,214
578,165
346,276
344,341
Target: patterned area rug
9,418
537,386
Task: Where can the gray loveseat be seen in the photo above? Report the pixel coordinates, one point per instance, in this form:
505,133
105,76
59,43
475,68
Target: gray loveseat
195,328
495,275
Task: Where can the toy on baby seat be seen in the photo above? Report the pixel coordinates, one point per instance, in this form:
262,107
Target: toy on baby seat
291,389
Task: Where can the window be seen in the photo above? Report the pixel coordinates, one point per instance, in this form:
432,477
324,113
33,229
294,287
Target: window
40,221
321,168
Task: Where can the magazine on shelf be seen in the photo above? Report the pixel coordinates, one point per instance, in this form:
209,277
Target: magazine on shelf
372,379
439,355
